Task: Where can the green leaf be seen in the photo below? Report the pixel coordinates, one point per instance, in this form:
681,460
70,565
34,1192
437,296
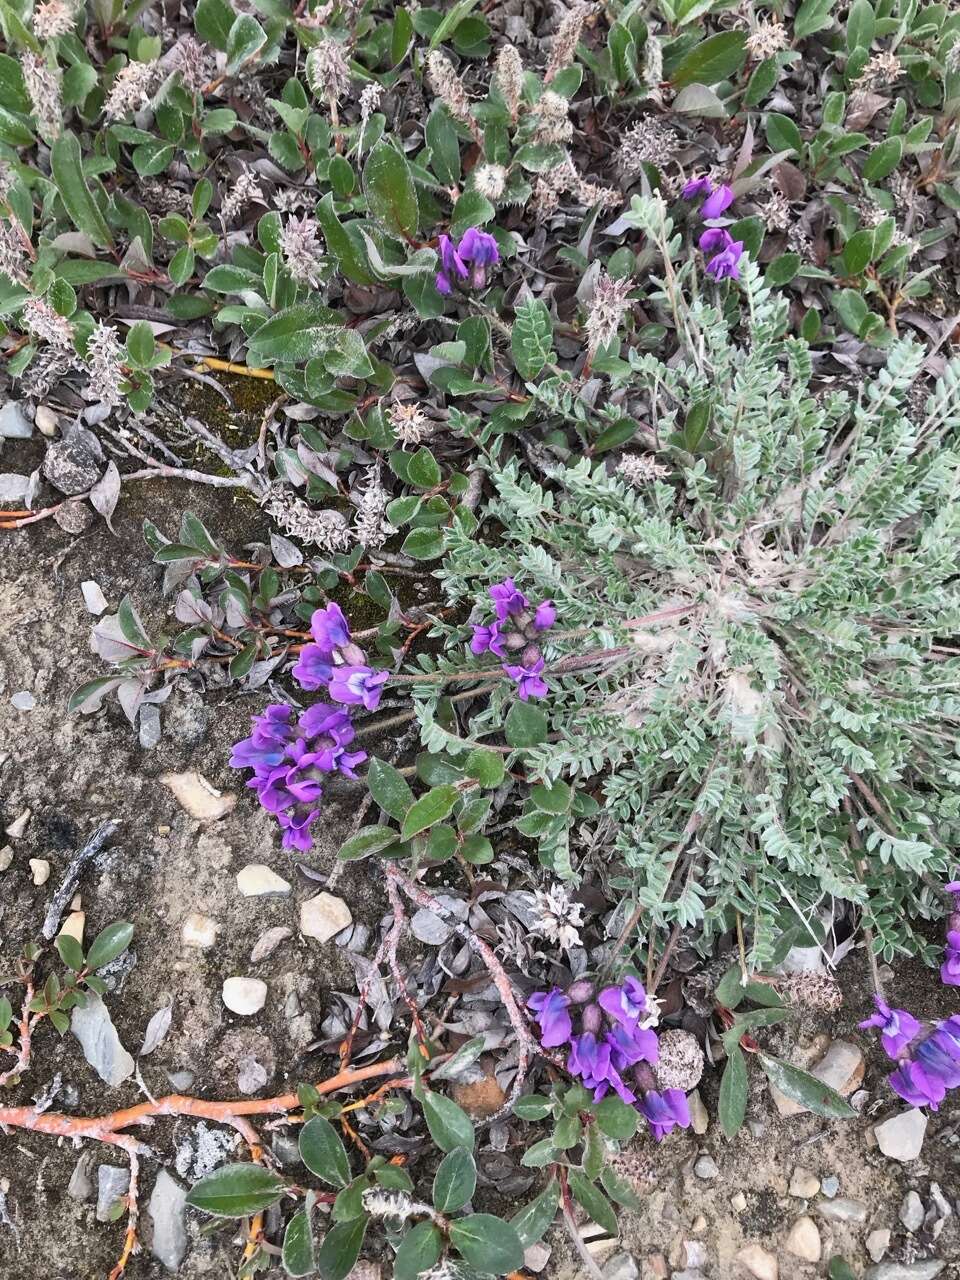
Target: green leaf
323,1153
78,83
861,24
400,36
851,308
525,725
341,1249
389,789
487,1243
883,159
616,1119
717,58
449,1125
341,244
840,1269
298,1256
464,1056
295,335
423,469
857,252
66,165
783,134
619,1189
444,144
532,1106
366,841
531,339
244,41
782,269
452,20
485,766
733,1093
806,1089
212,20
141,344
471,210
109,943
591,1198
69,951
557,798
534,1219
390,191
455,1180
236,1191
423,544
436,805
813,15
420,1249
762,81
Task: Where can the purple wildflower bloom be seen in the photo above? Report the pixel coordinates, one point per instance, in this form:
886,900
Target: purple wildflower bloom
939,1054
665,1111
953,886
715,240
545,616
356,685
507,599
632,1044
264,749
451,264
590,1060
550,1008
530,683
913,1085
897,1027
726,265
330,628
697,187
296,829
626,1003
313,668
719,200
480,249
488,640
950,969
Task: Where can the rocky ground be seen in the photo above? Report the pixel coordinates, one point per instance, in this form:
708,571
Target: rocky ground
242,950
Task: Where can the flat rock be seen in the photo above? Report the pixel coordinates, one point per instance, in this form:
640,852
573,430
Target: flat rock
830,1186
842,1210
73,463
112,1184
841,1067
268,942
804,1183
622,1266
14,423
80,1186
706,1168
256,880
804,1240
901,1137
699,1116
323,917
200,799
168,1209
878,1242
92,1025
911,1211
245,996
905,1270
199,931
759,1262
40,870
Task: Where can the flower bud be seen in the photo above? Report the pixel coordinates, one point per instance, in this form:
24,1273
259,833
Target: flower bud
513,640
353,655
530,656
643,1074
581,991
592,1018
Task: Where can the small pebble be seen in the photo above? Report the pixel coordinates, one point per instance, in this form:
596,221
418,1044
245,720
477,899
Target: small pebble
199,931
73,926
804,1240
901,1137
268,942
911,1211
699,1224
878,1242
323,917
738,1202
706,1168
257,880
843,1210
24,700
759,1262
40,869
19,825
830,1186
6,857
244,996
699,1116
804,1183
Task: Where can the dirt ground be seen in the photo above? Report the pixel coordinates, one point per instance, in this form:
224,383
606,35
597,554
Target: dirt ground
74,772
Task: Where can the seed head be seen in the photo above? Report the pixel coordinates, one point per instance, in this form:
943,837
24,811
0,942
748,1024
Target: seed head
53,19
490,180
327,530
564,45
768,37
409,422
190,58
302,251
372,527
131,89
245,189
604,314
447,85
45,323
640,469
104,361
553,122
648,142
328,73
11,254
558,919
43,90
508,77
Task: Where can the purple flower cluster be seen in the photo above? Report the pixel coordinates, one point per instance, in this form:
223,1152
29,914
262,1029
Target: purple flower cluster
928,1056
290,762
723,253
615,1038
478,248
514,633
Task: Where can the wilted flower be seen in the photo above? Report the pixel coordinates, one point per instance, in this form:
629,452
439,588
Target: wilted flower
245,189
639,469
409,422
11,254
327,70
648,142
448,87
104,360
564,45
550,1010
559,919
53,19
190,58
302,251
768,37
42,321
553,121
606,310
327,529
508,77
130,90
43,90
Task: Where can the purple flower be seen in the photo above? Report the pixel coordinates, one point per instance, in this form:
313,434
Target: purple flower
296,829
913,1085
665,1111
355,685
717,202
545,616
330,629
950,969
626,1003
507,599
488,640
451,264
590,1060
480,249
715,240
953,886
726,265
697,187
939,1054
529,681
313,668
897,1027
550,1008
632,1044
264,749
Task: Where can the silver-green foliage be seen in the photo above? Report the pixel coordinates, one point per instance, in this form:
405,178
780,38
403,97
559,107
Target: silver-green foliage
792,737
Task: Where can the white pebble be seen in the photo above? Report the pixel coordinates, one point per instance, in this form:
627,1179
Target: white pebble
245,996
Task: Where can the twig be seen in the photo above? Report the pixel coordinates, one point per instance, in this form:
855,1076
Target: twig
71,877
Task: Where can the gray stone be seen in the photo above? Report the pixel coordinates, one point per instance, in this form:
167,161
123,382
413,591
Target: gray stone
843,1210
257,880
804,1183
14,423
830,1186
878,1242
911,1211
699,1116
73,463
901,1137
80,1186
706,1168
92,1025
168,1209
621,1267
905,1270
286,1149
112,1185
